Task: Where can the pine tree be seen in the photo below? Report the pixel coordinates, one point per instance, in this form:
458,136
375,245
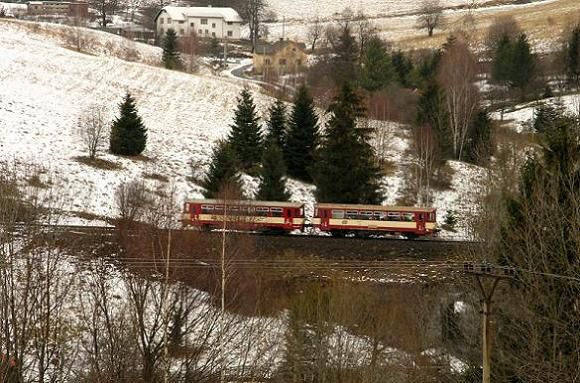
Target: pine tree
479,146
546,115
523,64
128,134
277,123
272,186
431,111
403,68
303,136
346,56
377,70
573,56
170,58
502,61
345,171
222,170
245,136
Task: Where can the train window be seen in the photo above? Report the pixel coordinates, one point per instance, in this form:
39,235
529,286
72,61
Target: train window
366,215
219,209
262,211
408,216
277,212
393,216
206,209
380,215
432,217
338,214
351,214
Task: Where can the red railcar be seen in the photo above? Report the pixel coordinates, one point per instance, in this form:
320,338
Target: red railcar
341,219
245,215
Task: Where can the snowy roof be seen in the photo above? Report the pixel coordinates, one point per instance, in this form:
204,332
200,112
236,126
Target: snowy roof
181,13
375,207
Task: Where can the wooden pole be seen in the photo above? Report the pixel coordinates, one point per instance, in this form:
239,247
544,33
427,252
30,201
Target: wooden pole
486,326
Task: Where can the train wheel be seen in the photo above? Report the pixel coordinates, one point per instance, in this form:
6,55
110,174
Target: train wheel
410,236
337,233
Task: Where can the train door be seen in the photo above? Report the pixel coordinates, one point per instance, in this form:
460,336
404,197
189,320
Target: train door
421,220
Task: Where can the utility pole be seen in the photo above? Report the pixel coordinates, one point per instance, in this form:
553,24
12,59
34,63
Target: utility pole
481,273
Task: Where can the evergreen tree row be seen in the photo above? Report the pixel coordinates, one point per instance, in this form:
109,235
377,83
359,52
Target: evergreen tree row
341,163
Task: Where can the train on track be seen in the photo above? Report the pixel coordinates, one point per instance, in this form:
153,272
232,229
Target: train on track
285,217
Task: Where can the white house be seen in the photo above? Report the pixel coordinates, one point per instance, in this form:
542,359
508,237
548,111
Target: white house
206,22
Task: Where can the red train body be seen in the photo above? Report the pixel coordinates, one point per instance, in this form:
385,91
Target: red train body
337,219
246,215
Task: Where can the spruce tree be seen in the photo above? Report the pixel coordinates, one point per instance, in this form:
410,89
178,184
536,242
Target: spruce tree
503,61
346,170
303,136
345,58
546,115
245,136
272,186
277,123
403,68
431,111
222,170
573,56
170,58
523,64
479,145
376,71
128,134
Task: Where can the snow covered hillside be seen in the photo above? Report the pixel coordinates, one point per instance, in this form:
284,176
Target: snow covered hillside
46,87
325,9
396,20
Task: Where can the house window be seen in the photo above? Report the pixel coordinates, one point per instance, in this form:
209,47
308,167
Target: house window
160,31
213,25
230,33
203,21
182,31
213,34
161,20
267,61
230,23
206,32
191,25
181,22
282,62
169,21
200,31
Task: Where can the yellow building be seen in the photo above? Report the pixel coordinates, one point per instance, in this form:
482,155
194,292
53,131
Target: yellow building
282,57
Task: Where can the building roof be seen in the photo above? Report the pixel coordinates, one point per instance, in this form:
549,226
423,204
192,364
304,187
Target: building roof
265,48
182,13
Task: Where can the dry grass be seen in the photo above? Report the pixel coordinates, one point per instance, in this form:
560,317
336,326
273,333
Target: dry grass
99,163
541,21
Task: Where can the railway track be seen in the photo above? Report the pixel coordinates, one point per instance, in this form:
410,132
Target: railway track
299,244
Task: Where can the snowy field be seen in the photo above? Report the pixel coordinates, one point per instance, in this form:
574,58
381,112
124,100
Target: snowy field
45,88
326,9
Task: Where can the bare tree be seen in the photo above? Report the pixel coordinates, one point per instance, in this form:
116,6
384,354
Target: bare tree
189,46
93,127
105,10
502,26
457,75
430,16
364,30
131,200
78,36
315,31
425,150
254,12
